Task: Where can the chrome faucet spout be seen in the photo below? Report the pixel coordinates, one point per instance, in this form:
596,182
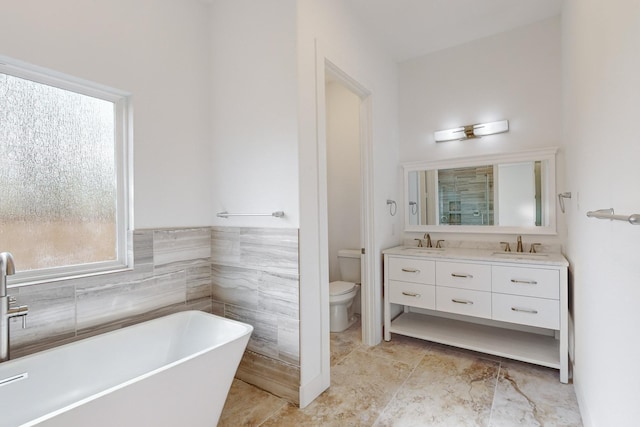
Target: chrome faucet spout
8,309
7,268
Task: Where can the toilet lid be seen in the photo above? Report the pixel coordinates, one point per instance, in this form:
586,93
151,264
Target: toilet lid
339,287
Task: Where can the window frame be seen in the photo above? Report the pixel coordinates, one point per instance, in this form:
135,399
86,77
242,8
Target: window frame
123,155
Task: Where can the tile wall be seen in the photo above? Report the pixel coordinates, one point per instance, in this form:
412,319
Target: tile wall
248,274
466,195
255,280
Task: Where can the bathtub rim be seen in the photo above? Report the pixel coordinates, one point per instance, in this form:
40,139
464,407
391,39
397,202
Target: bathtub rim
248,329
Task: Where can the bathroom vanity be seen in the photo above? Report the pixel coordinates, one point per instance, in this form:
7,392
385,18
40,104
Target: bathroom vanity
508,304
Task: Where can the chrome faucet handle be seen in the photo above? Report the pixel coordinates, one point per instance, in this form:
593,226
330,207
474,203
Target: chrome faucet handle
419,242
533,247
507,248
439,243
19,311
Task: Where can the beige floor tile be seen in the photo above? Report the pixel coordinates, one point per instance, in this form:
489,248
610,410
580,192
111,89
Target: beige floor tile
447,388
402,349
361,386
409,382
528,395
247,406
343,343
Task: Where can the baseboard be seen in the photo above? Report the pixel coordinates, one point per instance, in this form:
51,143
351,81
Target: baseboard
311,390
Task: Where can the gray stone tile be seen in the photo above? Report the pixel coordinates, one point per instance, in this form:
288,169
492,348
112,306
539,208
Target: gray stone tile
264,339
107,303
175,249
289,340
274,376
235,285
199,281
202,304
217,308
267,249
143,251
52,314
225,245
279,294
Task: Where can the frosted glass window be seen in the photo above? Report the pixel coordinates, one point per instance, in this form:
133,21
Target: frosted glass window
60,180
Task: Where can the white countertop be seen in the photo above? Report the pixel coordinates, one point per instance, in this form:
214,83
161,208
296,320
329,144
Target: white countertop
544,258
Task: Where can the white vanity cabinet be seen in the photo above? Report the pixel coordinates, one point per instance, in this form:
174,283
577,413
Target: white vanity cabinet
511,305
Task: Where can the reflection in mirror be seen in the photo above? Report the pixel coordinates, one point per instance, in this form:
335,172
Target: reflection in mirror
513,192
468,196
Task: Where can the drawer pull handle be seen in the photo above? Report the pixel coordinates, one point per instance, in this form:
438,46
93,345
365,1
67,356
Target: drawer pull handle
464,276
410,270
524,310
411,294
462,301
526,282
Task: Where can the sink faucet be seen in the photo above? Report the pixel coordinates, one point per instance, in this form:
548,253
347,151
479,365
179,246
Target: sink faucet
519,247
8,309
428,238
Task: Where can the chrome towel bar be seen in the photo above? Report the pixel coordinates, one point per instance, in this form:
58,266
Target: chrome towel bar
277,214
609,214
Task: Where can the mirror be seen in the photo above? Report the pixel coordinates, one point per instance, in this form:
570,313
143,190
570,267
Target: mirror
506,193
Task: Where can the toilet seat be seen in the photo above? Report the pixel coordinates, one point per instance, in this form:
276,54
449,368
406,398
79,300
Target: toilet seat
340,288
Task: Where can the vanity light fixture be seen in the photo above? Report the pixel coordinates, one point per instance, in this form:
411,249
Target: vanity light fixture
472,131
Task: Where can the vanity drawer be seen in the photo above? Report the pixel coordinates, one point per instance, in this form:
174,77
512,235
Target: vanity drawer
412,270
464,275
543,313
413,294
463,301
532,282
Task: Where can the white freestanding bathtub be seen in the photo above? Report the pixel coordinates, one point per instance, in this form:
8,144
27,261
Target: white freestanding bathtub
172,371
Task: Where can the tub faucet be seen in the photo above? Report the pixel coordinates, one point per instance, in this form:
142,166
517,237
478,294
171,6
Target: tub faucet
8,309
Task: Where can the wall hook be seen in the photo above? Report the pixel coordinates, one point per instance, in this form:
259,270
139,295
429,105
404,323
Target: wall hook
561,198
393,207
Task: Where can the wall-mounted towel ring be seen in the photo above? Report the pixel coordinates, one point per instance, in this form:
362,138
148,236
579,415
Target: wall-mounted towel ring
393,207
561,198
414,207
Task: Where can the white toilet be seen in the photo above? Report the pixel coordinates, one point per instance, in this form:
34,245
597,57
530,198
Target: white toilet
342,292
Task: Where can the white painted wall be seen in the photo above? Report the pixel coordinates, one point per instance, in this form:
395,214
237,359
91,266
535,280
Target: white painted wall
343,172
343,40
601,82
254,111
514,75
158,52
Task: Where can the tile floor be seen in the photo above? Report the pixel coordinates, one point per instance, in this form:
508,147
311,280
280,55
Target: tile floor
409,382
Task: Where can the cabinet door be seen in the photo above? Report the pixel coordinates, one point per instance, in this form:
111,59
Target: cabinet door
463,275
540,312
413,270
413,294
532,282
463,301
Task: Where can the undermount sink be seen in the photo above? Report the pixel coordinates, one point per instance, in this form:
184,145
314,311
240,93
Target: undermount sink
422,249
519,255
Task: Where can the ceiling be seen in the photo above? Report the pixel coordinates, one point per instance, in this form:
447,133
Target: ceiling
411,28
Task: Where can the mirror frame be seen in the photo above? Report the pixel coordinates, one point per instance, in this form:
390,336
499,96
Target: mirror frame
548,154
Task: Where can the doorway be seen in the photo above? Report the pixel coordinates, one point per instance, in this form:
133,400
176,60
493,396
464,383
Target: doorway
343,192
354,183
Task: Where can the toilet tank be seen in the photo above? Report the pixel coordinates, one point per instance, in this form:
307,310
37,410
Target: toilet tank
349,263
